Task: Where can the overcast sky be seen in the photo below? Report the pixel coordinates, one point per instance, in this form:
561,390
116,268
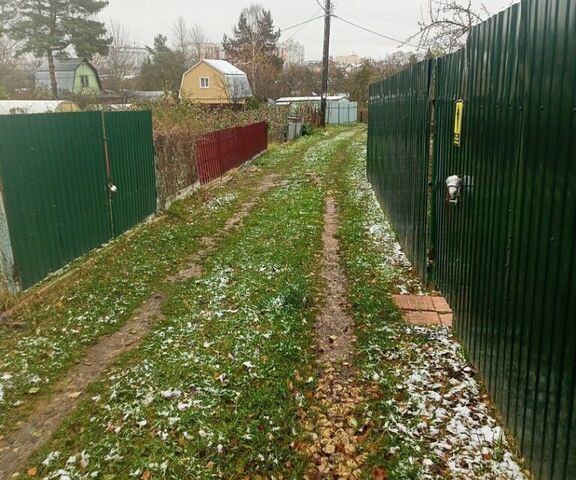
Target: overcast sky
398,19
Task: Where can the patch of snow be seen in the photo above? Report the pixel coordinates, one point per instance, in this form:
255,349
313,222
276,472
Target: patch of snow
444,408
50,458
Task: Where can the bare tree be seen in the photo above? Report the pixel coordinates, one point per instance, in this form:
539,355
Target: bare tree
120,61
447,23
197,42
181,39
188,41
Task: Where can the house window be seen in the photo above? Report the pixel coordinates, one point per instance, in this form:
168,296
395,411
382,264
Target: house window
84,82
204,82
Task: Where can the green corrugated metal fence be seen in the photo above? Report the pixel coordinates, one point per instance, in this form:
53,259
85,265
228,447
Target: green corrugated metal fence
505,255
55,184
131,151
398,151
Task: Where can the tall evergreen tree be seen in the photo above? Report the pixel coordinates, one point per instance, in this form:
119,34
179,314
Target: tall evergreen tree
254,47
48,27
7,17
8,14
164,67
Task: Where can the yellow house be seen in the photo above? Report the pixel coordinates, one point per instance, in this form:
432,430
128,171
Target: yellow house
215,82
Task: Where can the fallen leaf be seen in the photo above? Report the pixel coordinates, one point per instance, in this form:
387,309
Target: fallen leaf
32,472
74,394
380,473
146,475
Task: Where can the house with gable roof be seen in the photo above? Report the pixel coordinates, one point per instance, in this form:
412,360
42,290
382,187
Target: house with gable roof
74,76
215,82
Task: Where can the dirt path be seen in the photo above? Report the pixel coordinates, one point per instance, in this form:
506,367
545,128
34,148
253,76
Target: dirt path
332,428
49,411
193,268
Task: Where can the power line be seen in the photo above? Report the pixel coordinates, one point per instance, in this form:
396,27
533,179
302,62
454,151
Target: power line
301,23
302,27
298,14
401,42
372,14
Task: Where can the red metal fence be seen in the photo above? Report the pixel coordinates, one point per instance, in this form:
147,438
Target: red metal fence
221,151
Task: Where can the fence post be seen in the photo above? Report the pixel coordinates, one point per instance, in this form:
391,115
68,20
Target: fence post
8,265
108,171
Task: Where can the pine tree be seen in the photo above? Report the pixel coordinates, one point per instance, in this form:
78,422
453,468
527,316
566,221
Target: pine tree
8,14
254,47
48,27
164,67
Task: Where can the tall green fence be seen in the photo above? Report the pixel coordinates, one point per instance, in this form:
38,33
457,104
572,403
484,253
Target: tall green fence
70,182
505,254
398,152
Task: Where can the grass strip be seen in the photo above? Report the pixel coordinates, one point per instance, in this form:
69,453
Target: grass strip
40,342
426,416
216,389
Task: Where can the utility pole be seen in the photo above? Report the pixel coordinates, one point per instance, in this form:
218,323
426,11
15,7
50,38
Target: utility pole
325,62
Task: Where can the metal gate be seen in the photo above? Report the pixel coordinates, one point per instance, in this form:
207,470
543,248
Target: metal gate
56,171
504,254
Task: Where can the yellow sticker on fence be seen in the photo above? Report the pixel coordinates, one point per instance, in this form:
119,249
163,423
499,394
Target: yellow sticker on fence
458,122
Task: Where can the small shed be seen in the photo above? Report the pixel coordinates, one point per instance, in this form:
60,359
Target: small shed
339,109
14,107
74,76
215,82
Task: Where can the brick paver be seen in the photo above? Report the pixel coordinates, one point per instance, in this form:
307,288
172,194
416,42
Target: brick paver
446,319
425,309
422,318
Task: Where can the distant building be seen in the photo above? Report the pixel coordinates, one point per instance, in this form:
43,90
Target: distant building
213,51
292,53
340,110
215,81
13,107
348,60
311,100
74,76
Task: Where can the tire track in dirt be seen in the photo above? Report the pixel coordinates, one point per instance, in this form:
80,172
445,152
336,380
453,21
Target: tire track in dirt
333,432
193,268
48,412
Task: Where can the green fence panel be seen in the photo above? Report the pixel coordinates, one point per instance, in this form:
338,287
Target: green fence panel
54,188
55,177
131,157
398,153
505,254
